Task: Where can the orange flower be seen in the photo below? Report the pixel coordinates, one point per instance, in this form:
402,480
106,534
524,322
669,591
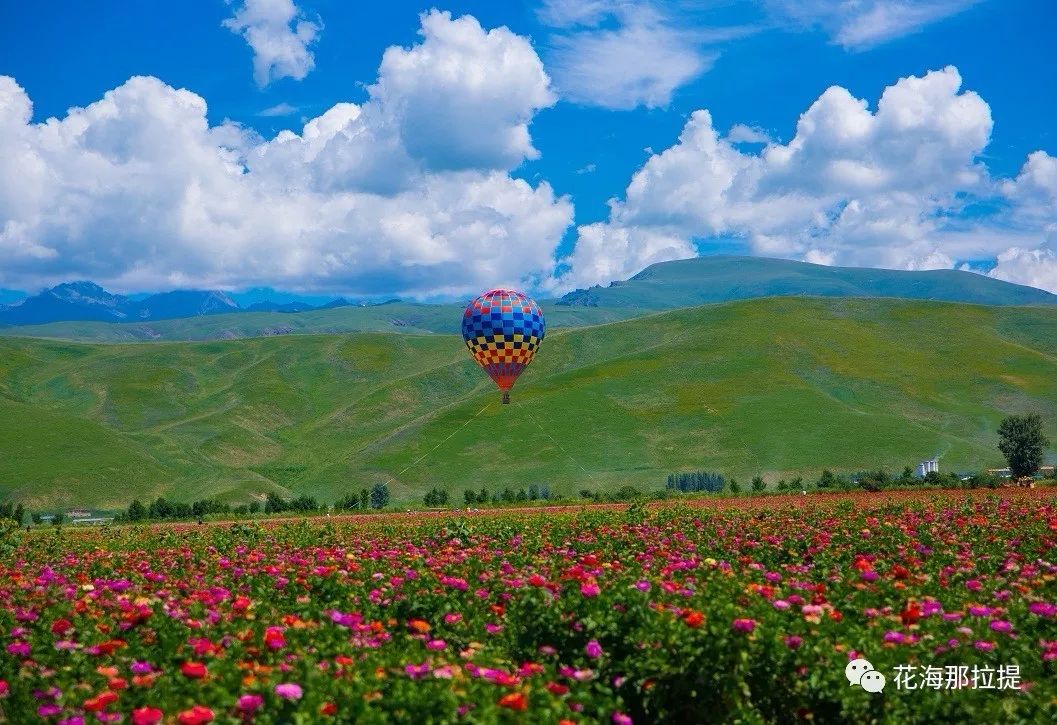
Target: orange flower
514,701
694,619
419,625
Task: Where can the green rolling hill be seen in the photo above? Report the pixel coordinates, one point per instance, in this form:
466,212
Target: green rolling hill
773,386
703,280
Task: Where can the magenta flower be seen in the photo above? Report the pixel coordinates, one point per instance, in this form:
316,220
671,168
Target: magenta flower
1043,609
436,644
590,589
289,691
1001,625
643,586
593,649
250,703
744,625
620,718
793,641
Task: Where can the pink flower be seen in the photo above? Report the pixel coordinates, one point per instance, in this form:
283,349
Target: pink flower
21,649
417,671
620,718
744,625
289,691
250,703
593,649
780,604
973,585
1043,609
1001,625
436,644
452,618
984,646
643,586
793,641
590,589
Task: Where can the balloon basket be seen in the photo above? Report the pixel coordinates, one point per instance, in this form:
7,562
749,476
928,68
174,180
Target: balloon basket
506,398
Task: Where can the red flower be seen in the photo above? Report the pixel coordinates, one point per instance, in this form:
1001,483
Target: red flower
146,716
100,701
197,715
273,637
911,614
694,619
556,688
328,708
514,701
536,580
194,670
60,627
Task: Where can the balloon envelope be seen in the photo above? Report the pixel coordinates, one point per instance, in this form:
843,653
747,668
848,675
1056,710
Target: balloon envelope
503,329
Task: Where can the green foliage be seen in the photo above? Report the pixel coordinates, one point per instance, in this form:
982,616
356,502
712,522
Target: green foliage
757,484
1022,442
380,495
695,481
436,497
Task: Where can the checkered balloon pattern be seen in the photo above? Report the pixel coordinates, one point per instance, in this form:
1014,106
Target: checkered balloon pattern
503,329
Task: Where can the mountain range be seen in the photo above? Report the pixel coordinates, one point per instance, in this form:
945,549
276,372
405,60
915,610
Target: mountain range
87,301
86,311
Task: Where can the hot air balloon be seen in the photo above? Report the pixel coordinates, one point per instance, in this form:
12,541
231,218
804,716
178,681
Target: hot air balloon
503,329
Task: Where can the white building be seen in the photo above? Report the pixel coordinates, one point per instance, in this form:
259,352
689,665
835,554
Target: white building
929,466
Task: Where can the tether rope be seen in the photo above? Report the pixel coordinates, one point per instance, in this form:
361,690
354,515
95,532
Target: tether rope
434,448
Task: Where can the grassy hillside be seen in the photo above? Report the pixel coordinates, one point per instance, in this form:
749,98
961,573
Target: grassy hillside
772,386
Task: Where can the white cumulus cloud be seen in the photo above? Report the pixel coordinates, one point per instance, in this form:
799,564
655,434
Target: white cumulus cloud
884,187
139,191
279,35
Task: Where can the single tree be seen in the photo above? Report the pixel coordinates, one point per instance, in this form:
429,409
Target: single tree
734,487
758,484
136,510
380,496
1022,443
827,479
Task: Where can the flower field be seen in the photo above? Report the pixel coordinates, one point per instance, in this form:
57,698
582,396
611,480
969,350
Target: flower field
638,615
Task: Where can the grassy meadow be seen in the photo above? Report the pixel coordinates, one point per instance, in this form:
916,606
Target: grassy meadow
779,387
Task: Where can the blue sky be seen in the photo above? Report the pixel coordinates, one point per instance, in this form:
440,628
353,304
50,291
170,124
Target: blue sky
616,85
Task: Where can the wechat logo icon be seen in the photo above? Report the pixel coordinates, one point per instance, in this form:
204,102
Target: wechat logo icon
860,672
